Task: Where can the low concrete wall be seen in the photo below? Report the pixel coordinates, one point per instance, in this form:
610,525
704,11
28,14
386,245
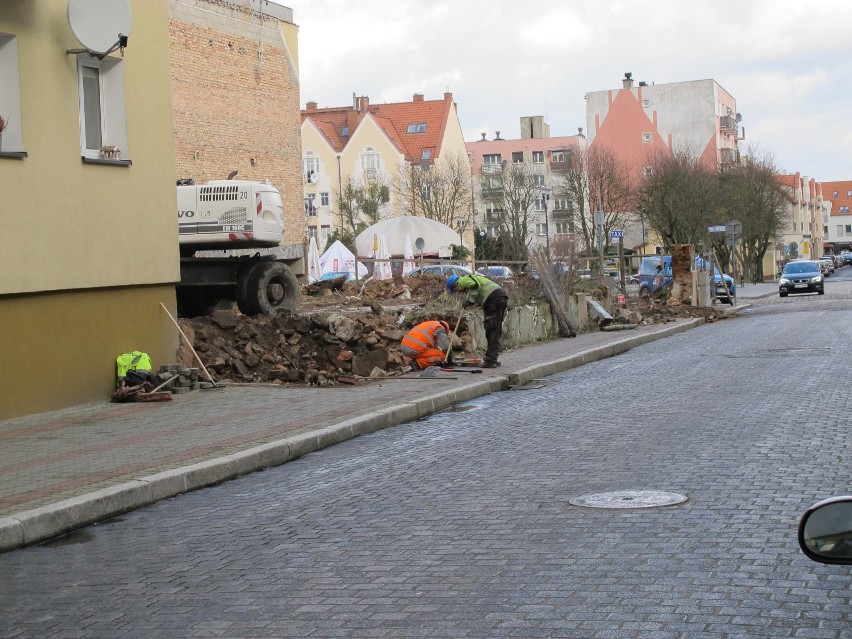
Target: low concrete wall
533,322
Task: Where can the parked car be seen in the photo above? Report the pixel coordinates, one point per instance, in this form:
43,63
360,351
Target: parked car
801,276
496,272
828,262
443,270
825,531
847,258
655,272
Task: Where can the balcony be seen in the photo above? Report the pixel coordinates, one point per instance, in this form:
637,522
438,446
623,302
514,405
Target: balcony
729,156
728,123
492,169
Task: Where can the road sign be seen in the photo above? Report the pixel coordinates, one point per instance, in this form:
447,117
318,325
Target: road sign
716,229
614,235
733,227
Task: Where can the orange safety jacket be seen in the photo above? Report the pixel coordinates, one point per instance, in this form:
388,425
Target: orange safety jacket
426,343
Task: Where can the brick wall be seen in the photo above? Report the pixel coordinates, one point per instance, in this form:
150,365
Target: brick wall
235,101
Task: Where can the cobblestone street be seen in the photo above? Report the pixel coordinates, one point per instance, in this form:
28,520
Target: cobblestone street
459,525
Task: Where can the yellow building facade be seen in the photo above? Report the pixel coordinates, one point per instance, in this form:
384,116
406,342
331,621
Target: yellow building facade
87,197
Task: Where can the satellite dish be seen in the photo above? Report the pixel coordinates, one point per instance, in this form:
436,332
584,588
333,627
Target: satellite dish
739,117
99,25
314,178
419,243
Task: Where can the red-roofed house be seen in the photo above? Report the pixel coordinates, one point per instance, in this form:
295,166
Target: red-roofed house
370,141
837,205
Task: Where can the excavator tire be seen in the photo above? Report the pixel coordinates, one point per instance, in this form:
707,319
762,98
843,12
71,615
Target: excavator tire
266,288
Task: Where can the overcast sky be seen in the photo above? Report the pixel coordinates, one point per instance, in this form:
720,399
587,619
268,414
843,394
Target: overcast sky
787,63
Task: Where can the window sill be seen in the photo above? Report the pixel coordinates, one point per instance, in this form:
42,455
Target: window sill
109,162
13,154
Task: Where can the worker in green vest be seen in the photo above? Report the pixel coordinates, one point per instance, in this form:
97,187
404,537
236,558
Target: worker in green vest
480,291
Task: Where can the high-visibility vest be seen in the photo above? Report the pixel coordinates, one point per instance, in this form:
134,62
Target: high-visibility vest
135,360
421,337
478,288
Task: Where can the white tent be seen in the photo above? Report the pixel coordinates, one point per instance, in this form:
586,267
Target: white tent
314,268
382,269
339,259
436,236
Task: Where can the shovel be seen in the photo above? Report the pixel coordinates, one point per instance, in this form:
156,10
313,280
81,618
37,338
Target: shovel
455,370
432,371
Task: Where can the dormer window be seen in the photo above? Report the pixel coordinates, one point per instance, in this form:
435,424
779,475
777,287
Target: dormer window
345,132
417,128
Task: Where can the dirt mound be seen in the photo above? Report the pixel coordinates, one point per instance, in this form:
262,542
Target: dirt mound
351,328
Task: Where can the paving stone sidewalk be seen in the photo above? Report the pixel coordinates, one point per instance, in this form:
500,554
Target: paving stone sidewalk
69,468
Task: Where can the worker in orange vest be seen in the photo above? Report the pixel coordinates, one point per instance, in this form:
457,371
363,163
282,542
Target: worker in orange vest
426,344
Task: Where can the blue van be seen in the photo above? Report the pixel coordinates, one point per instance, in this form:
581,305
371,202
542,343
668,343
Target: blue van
655,272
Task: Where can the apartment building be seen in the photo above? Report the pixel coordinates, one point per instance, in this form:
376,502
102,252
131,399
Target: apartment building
377,144
802,237
551,209
88,199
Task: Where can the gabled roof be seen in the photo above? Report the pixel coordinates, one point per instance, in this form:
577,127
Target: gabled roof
393,118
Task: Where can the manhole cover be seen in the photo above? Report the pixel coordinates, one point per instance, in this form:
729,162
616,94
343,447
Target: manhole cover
629,499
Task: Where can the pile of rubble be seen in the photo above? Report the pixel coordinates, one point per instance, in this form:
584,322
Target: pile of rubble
350,329
340,330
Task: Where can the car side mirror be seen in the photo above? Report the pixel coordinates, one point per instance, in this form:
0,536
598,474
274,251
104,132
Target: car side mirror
825,531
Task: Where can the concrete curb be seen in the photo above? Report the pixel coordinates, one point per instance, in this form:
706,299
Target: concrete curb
40,524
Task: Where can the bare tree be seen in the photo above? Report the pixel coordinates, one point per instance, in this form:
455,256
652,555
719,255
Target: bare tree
440,192
513,192
595,179
752,194
680,197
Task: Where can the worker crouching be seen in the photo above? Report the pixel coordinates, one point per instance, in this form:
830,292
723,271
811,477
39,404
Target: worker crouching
427,344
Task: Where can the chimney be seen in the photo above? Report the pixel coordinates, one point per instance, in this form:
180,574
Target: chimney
362,103
627,82
311,106
483,137
497,136
418,97
448,95
580,131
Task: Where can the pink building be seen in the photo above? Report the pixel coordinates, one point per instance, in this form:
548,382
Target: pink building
637,121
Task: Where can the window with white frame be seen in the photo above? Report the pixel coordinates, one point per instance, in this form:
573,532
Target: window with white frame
645,103
647,137
418,127
310,167
834,194
539,204
324,198
538,180
843,209
312,232
325,231
541,229
557,156
370,161
839,229
561,204
310,204
492,159
517,157
561,228
103,116
493,231
538,157
11,137
848,193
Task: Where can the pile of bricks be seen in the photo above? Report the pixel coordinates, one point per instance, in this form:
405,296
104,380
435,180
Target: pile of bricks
187,378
